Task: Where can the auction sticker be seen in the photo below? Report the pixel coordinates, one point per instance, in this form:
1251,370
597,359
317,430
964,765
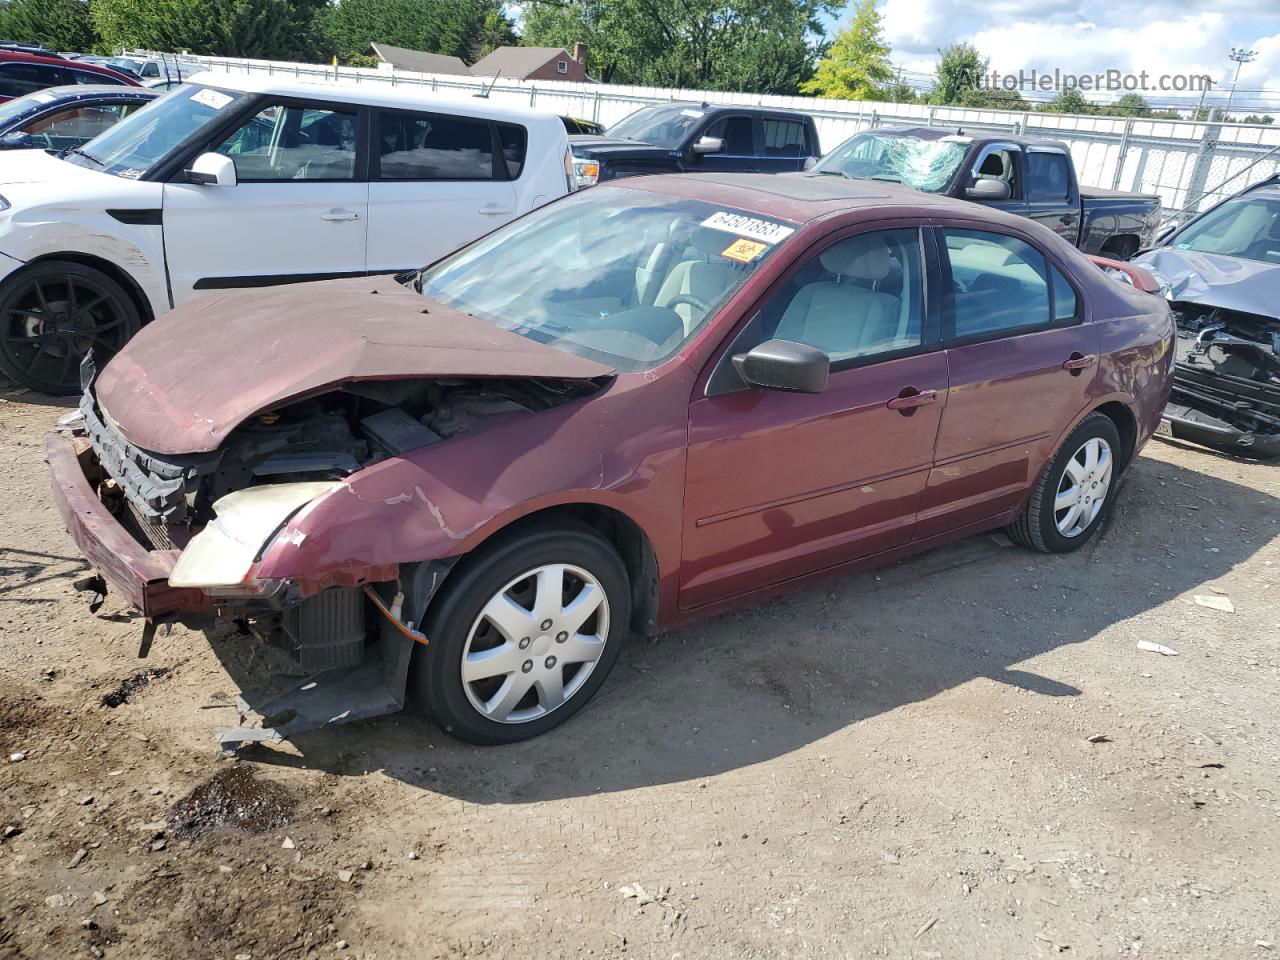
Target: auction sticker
211,98
744,251
766,231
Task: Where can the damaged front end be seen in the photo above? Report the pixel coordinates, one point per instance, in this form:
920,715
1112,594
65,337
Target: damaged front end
1226,388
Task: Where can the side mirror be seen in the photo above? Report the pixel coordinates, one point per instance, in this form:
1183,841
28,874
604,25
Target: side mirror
988,188
17,141
810,162
784,365
708,145
212,169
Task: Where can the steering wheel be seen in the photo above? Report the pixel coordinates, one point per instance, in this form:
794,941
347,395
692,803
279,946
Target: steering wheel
691,300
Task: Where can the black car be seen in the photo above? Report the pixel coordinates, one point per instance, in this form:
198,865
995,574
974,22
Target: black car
62,118
689,137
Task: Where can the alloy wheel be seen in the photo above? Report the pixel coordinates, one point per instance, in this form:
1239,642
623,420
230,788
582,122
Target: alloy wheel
534,643
1083,488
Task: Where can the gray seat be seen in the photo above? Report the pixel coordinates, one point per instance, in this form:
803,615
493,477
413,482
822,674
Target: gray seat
843,317
701,277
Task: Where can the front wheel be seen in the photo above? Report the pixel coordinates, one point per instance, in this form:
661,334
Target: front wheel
51,313
524,636
1073,493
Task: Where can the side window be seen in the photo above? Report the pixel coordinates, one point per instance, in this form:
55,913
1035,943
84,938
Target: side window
73,126
434,147
998,283
84,77
736,134
999,165
858,297
784,138
151,70
513,139
1048,177
1065,305
19,79
294,143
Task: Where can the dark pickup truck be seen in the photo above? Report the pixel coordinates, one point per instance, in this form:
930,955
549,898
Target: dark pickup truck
689,137
1032,178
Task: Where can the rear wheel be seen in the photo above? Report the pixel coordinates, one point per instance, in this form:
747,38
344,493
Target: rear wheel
1073,493
524,636
51,313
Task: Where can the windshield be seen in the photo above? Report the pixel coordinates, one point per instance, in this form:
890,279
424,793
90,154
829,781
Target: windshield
923,164
662,126
617,275
139,141
126,66
1245,227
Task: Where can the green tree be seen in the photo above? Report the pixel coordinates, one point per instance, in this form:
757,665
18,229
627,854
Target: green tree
1069,101
56,24
267,29
758,46
1130,105
857,65
459,28
960,69
899,92
1266,119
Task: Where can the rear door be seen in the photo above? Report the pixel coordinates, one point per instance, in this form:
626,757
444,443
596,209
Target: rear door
438,181
1021,360
1052,197
783,484
786,145
298,212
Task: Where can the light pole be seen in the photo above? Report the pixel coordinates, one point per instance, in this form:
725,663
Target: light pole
1241,56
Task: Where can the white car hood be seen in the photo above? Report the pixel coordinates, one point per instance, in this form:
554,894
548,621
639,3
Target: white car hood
38,166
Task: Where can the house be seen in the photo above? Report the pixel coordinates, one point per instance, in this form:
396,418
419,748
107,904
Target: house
535,63
398,58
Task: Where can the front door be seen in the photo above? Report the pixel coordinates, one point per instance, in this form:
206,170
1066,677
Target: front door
438,183
783,484
1021,362
298,212
739,154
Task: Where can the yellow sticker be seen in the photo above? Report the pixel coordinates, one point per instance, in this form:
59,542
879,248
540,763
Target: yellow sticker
744,251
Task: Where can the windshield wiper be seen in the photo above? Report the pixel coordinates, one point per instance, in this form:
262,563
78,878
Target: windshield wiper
886,178
829,173
76,151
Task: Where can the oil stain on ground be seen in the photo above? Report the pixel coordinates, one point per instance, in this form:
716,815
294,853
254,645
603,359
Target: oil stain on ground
131,685
232,797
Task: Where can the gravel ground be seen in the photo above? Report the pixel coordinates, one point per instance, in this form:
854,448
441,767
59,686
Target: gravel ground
961,755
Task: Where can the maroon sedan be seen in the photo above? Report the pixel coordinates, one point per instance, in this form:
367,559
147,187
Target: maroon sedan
627,408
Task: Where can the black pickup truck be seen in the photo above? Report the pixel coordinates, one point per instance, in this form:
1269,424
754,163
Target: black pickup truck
687,137
1032,178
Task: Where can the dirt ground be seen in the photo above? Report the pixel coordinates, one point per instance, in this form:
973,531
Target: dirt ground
962,755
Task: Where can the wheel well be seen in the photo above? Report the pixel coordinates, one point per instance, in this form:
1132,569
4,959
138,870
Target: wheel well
1122,245
127,283
633,546
1126,426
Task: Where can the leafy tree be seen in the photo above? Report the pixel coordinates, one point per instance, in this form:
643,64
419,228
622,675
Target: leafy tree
267,29
1265,119
56,24
459,28
1069,101
959,68
857,66
899,92
758,46
1130,105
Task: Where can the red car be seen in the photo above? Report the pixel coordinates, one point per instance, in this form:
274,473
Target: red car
628,408
23,72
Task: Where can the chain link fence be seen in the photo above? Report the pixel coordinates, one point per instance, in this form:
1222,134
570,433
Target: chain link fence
1190,165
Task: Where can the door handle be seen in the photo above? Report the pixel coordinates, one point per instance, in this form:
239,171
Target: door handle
338,216
495,210
910,398
1077,362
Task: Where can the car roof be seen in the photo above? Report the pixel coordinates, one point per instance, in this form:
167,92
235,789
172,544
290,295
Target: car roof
806,197
969,136
54,60
74,91
376,94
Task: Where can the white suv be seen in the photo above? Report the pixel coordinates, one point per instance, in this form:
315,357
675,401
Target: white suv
232,182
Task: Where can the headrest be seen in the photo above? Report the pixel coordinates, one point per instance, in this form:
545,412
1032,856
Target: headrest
992,166
857,258
709,241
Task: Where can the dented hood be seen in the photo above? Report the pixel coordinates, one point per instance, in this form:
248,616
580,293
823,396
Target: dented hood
188,379
1216,280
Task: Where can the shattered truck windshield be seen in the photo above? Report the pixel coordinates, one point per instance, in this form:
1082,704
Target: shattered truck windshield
925,165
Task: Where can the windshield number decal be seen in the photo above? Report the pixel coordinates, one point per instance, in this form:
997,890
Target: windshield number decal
744,251
766,231
211,98
691,113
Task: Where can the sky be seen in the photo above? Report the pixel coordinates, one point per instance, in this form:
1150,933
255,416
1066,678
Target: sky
1089,36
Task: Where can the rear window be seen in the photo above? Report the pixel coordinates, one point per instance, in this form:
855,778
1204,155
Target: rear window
513,139
435,147
17,79
784,138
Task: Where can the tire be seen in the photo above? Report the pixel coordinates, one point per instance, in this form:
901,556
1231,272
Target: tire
51,313
1050,528
458,625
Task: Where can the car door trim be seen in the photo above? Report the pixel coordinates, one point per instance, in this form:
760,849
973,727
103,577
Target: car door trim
274,279
147,217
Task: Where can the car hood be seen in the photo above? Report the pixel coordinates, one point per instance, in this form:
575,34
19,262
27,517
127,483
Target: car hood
589,145
1215,280
191,377
37,166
